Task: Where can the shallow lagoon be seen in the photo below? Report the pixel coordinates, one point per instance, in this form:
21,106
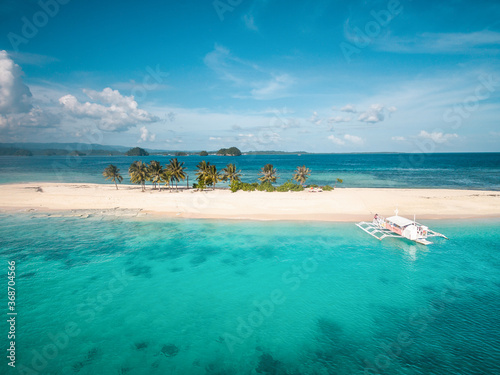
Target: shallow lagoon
134,296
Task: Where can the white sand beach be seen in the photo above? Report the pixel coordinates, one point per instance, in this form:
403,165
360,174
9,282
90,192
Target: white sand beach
342,204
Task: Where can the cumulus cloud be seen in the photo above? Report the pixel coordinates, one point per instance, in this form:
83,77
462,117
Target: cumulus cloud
146,135
353,139
398,138
16,101
376,113
115,112
348,108
438,137
373,115
315,119
15,96
346,138
337,141
214,138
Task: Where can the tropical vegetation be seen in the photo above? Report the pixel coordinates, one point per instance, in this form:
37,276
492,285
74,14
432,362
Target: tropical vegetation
289,186
301,174
155,171
138,172
268,173
111,172
208,175
231,151
137,151
176,171
230,173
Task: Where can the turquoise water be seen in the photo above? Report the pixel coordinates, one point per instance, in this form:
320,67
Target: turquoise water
458,171
134,296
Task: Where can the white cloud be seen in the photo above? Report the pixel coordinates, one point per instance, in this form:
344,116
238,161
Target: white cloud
376,113
121,113
16,102
437,137
442,43
15,96
315,119
214,138
248,78
338,119
347,137
146,135
336,140
373,115
398,139
353,139
250,22
276,87
348,108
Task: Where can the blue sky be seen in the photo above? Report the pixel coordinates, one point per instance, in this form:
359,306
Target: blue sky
328,76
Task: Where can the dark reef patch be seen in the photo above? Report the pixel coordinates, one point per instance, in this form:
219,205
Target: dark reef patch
169,350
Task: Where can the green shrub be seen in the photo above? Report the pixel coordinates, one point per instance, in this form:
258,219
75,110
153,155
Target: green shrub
289,186
312,186
266,186
234,186
327,188
200,185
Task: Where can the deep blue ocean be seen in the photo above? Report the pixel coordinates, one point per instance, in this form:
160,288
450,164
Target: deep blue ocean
457,171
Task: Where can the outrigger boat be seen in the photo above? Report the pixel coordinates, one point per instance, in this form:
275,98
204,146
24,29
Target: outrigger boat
398,226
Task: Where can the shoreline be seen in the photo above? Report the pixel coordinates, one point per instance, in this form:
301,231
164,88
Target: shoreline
342,204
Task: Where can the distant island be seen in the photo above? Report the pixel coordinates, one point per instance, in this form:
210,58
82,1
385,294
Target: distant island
86,149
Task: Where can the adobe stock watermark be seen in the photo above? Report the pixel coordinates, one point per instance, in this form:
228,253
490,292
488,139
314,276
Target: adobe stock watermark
151,81
372,29
485,88
483,91
30,26
58,341
265,308
419,323
223,6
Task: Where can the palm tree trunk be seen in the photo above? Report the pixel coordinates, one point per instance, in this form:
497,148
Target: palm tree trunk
116,185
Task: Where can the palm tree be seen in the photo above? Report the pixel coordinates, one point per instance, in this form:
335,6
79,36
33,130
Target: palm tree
339,180
268,173
155,170
202,172
111,172
301,174
213,176
230,173
138,173
165,177
176,170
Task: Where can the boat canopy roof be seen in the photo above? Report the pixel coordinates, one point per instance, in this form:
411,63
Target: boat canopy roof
400,221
